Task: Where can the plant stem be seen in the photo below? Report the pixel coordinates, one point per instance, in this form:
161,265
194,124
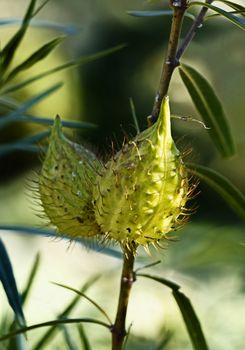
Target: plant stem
127,279
191,33
179,8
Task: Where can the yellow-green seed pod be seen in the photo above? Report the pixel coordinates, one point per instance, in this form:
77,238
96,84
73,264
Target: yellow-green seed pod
142,191
65,185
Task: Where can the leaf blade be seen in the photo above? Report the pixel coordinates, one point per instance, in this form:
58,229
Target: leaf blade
224,187
210,109
71,64
17,113
190,318
239,22
9,284
34,58
11,47
156,13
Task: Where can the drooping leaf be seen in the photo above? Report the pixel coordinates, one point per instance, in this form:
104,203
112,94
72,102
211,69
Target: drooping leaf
9,50
82,294
54,323
234,6
50,333
18,112
191,321
210,109
157,13
224,187
34,58
9,284
239,9
190,318
239,22
71,64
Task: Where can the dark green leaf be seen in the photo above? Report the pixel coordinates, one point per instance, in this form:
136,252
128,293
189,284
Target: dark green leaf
233,197
83,337
46,338
191,321
37,56
157,13
8,281
210,109
239,22
40,8
11,47
17,113
67,65
164,281
53,323
82,294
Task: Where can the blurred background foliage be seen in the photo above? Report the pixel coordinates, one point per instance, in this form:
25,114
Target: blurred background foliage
209,259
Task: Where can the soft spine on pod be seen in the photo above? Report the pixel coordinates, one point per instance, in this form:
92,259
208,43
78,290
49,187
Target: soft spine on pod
141,193
65,185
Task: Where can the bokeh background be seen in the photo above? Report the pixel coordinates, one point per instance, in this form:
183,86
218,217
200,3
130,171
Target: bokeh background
208,260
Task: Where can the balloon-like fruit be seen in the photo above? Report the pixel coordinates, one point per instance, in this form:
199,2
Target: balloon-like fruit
141,193
65,185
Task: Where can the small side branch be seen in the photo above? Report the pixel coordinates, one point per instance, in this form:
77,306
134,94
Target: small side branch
192,32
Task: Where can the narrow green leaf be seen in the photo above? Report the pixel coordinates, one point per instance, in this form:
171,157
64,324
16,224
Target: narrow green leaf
71,64
191,321
219,183
11,47
24,144
157,13
214,15
162,280
235,6
39,8
9,284
83,337
50,333
54,323
50,121
31,278
239,22
81,294
189,316
68,29
34,58
68,340
16,114
210,109
52,233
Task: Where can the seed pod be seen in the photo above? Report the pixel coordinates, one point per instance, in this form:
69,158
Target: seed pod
143,189
65,185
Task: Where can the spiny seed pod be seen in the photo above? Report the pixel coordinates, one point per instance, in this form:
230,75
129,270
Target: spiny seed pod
65,185
142,190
